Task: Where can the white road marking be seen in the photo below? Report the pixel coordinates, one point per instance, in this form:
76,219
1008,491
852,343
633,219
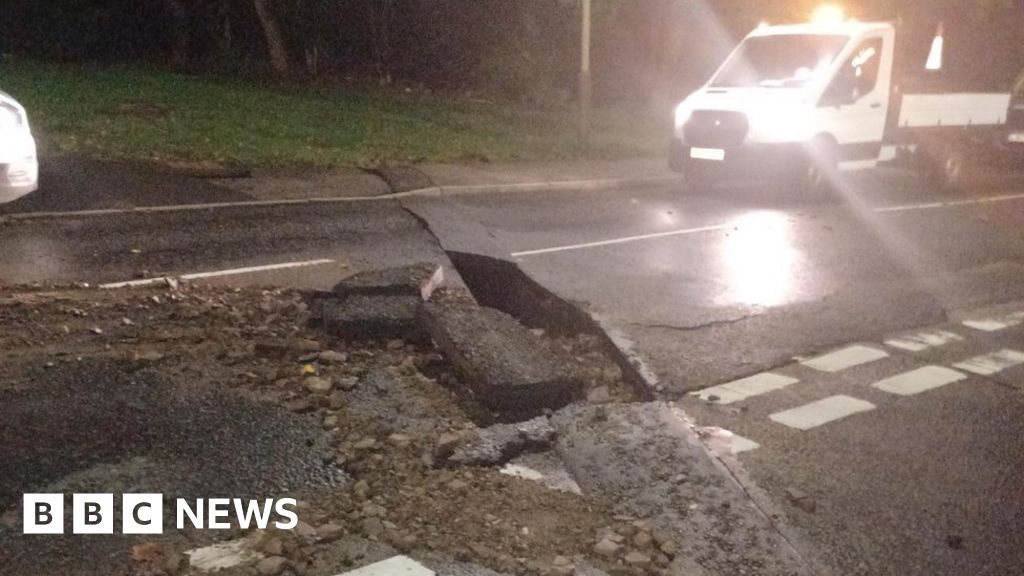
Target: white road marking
722,442
251,269
624,240
995,324
821,412
394,566
430,191
740,444
923,340
135,283
950,204
845,358
216,273
993,363
986,325
919,380
744,388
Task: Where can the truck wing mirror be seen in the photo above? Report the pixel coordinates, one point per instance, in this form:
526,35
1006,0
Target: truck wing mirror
934,62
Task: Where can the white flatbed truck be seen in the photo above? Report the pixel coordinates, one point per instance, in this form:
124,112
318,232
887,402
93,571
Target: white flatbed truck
808,101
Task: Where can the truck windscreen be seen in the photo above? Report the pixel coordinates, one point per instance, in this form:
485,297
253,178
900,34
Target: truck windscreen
779,61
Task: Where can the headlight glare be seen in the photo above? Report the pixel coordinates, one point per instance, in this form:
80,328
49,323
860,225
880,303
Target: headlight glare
10,117
683,113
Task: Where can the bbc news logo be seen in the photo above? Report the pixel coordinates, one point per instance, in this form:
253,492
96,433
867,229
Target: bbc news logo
144,513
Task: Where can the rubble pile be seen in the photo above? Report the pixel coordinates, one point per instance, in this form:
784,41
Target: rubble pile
420,462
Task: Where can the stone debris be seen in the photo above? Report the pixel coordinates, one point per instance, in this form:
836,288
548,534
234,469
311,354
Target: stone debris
318,385
599,395
271,566
562,565
446,444
332,357
637,559
607,547
380,414
223,555
329,532
500,443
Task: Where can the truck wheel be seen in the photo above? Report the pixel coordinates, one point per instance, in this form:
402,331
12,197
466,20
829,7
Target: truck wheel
950,170
818,169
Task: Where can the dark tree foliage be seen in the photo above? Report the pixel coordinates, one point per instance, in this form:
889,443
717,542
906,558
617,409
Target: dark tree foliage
645,51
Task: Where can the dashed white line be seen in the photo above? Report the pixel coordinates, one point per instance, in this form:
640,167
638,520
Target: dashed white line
625,240
923,340
995,324
993,363
821,412
135,283
217,273
950,204
252,269
919,380
744,388
845,358
986,325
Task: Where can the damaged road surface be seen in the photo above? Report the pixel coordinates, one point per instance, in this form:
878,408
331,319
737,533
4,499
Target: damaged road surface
856,362
390,452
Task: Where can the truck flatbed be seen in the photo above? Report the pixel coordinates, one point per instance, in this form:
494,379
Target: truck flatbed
953,110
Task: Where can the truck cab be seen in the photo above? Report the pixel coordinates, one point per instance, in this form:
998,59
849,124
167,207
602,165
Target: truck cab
808,101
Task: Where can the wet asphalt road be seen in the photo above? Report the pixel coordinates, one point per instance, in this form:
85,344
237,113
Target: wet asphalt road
105,427
711,286
714,286
103,249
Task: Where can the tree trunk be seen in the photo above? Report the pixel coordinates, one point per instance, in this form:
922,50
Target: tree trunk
179,31
275,41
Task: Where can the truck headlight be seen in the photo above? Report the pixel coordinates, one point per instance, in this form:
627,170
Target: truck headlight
10,117
683,113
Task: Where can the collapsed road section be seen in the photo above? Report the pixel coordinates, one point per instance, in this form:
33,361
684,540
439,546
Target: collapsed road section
402,416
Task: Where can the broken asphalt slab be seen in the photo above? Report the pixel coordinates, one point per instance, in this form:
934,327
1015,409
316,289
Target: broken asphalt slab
415,280
377,304
502,363
647,459
366,317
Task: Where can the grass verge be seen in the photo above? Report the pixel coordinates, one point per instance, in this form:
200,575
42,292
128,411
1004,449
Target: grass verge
144,114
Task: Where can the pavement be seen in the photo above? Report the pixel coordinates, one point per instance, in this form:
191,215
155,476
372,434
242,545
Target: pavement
709,287
71,184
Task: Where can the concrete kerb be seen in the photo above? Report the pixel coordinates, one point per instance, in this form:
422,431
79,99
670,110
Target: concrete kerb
433,191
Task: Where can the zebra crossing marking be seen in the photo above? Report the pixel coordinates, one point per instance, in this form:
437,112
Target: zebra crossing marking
821,412
919,380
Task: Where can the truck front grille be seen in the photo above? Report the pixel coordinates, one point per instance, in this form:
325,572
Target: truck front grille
716,129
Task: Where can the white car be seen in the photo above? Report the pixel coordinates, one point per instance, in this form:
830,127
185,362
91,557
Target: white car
19,166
